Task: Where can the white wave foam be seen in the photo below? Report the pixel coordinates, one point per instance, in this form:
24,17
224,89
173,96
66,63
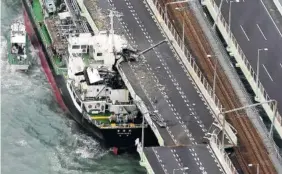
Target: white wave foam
21,143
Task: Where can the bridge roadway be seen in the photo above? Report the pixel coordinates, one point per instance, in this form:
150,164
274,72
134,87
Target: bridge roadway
254,28
185,156
162,82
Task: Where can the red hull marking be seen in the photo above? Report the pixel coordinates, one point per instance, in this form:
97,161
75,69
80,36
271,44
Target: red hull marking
44,63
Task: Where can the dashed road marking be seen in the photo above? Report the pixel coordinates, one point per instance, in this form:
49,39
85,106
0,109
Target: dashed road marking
244,33
267,72
261,32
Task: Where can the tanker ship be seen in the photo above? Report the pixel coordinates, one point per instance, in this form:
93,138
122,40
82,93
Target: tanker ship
80,66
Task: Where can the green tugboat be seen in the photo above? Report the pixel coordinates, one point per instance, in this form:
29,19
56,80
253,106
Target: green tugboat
17,46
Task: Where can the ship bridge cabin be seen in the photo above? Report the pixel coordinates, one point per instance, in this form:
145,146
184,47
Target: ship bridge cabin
96,51
18,38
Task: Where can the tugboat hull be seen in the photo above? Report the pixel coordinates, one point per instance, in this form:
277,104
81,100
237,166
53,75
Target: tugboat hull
123,139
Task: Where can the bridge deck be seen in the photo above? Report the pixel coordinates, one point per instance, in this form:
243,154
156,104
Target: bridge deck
167,159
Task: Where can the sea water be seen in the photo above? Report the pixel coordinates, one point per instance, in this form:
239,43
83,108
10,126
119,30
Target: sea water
36,136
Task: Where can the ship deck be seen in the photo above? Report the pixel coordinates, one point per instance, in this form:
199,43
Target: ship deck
45,34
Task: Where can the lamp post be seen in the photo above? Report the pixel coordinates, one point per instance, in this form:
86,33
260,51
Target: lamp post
214,75
229,19
251,165
181,10
183,168
174,2
257,77
241,108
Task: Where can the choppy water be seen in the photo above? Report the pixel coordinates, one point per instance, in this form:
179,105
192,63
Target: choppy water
36,137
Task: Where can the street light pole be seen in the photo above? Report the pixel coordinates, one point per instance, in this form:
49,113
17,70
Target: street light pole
183,25
257,77
214,75
183,168
237,109
168,3
257,167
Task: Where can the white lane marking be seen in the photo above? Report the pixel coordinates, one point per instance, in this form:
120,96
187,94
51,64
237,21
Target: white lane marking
245,33
281,65
271,18
267,72
261,32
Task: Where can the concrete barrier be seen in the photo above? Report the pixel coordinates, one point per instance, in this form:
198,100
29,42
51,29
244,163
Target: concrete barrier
278,4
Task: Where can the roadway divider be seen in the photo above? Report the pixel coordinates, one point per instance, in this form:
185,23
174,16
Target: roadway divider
278,4
140,104
244,64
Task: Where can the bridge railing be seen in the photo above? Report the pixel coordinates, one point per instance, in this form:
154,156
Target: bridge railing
216,146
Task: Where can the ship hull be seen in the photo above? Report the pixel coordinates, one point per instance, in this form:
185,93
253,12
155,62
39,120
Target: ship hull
123,139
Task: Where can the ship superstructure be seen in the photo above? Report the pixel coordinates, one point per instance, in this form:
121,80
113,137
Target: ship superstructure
17,55
83,70
96,89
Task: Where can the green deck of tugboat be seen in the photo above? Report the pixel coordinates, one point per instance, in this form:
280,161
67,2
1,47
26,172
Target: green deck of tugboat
12,58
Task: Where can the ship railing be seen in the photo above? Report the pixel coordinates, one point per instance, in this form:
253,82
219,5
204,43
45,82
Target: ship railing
120,126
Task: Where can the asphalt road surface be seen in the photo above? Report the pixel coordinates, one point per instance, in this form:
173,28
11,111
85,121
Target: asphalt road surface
191,159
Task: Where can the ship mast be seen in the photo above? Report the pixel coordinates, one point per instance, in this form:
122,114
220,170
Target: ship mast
112,32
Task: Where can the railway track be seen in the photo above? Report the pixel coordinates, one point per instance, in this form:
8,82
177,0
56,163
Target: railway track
250,149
